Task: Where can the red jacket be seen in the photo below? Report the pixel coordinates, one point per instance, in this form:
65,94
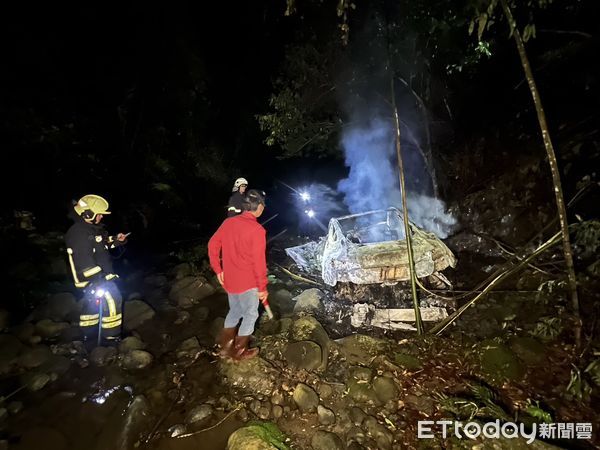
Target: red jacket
241,244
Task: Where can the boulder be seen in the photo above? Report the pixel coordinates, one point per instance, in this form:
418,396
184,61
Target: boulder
498,362
63,306
35,357
103,356
188,348
181,271
155,280
35,381
379,433
135,313
309,329
48,329
199,414
308,301
385,389
190,290
305,355
131,343
248,439
326,415
528,349
324,440
136,360
305,398
254,376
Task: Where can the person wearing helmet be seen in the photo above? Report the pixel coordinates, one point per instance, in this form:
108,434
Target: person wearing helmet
236,201
88,246
237,254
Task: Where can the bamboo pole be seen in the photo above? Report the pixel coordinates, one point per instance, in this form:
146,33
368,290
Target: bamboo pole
558,192
411,260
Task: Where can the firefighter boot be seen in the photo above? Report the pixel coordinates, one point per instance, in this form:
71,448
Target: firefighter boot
241,350
226,341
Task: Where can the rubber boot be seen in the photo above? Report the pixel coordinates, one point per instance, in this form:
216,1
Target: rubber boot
226,341
241,350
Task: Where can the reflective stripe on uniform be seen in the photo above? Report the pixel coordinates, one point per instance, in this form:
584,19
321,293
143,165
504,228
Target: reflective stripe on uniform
88,320
78,284
110,301
91,272
111,322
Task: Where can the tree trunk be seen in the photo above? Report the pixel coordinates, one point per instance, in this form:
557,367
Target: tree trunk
558,193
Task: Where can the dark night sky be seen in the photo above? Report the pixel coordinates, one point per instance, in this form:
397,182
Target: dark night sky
78,64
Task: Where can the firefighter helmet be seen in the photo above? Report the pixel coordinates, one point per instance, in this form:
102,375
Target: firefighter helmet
89,206
239,182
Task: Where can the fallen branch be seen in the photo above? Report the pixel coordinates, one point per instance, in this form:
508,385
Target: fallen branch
211,427
298,277
439,328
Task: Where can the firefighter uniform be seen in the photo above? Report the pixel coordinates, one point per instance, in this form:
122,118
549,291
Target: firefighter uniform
88,246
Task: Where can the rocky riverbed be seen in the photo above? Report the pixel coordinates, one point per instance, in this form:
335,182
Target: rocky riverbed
318,383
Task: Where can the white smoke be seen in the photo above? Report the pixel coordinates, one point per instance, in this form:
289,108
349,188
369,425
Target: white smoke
373,183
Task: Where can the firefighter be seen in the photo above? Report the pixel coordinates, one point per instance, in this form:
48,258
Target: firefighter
88,246
236,201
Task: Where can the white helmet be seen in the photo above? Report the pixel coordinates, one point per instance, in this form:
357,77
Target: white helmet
239,182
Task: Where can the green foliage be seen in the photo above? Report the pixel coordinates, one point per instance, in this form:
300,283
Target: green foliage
587,239
547,328
480,402
578,387
593,370
537,412
269,432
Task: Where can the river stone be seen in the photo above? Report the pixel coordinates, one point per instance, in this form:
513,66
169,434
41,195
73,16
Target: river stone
216,326
356,415
15,407
381,434
407,361
254,376
326,415
528,349
362,373
190,290
182,317
247,439
23,332
385,389
309,329
304,355
306,399
362,392
63,306
308,301
201,313
281,300
324,440
420,403
35,357
358,348
198,414
131,343
136,359
102,356
498,362
47,328
188,348
181,271
35,381
135,313
10,347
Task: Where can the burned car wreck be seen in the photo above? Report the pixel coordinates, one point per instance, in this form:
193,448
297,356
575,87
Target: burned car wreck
364,259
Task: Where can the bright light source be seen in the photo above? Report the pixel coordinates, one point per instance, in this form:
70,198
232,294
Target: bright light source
305,196
100,293
310,213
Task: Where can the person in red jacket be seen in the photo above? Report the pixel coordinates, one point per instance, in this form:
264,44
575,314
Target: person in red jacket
237,255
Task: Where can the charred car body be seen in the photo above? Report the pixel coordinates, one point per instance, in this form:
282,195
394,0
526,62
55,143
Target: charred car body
364,254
